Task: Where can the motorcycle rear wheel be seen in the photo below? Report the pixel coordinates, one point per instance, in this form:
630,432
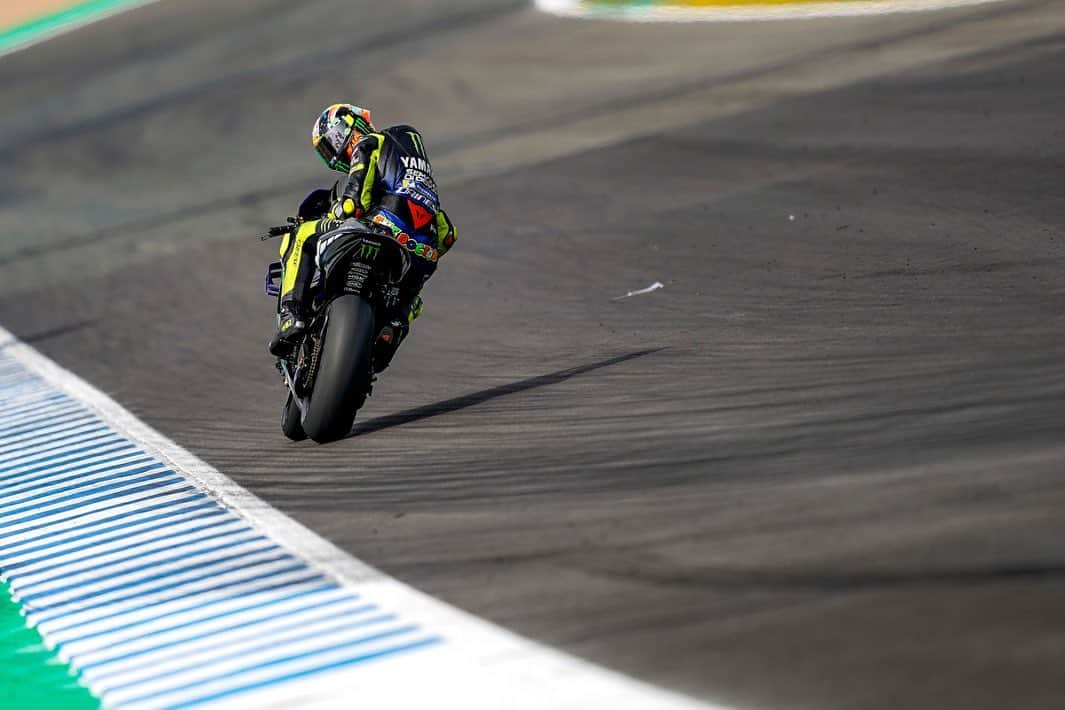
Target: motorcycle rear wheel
343,371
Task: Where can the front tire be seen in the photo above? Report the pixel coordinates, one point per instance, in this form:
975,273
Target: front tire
343,371
291,425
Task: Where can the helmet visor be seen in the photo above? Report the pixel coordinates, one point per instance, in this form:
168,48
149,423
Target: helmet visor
331,147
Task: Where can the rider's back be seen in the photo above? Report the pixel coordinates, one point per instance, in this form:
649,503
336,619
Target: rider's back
403,180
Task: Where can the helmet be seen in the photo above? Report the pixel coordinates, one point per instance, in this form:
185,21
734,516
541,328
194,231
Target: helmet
337,131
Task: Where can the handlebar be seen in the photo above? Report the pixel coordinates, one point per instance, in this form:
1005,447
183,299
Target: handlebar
292,226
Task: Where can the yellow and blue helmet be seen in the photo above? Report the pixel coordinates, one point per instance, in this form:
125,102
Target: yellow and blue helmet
337,131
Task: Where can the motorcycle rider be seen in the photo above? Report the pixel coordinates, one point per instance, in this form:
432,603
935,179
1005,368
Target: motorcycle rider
389,184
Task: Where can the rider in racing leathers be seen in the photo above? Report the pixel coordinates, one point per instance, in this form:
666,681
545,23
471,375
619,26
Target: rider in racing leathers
390,184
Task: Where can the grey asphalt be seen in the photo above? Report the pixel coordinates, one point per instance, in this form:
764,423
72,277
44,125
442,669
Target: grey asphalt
821,468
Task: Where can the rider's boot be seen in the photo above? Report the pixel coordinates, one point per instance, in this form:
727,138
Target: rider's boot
388,341
390,337
290,328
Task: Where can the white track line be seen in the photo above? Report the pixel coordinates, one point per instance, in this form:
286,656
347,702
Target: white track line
392,645
746,13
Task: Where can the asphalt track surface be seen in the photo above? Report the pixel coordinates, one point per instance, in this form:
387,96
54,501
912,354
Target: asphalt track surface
821,468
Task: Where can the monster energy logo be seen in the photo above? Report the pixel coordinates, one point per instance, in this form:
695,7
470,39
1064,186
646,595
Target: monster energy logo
417,141
369,251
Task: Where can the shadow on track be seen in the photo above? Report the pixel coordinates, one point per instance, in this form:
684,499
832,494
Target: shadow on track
650,571
453,405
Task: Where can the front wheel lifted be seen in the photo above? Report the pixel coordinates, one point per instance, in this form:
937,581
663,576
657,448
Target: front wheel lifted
290,420
343,376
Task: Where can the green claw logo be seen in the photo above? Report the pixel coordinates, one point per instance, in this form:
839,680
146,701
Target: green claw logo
369,251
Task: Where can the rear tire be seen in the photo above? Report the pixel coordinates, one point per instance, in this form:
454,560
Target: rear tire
343,371
290,420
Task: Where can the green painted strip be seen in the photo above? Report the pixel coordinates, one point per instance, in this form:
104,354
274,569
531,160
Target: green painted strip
31,677
80,14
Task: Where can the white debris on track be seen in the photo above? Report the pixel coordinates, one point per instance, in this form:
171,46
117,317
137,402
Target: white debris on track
653,287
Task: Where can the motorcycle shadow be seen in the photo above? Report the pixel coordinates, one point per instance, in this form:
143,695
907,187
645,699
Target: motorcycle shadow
469,400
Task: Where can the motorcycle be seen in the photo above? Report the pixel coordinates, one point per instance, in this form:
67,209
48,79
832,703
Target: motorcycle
330,372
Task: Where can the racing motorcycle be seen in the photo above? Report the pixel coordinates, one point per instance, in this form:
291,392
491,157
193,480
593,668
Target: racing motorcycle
330,372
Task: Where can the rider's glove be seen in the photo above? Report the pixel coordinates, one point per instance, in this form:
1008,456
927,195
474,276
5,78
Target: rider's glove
328,225
345,209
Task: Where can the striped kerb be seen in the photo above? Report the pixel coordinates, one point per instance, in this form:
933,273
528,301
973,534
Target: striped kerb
157,594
